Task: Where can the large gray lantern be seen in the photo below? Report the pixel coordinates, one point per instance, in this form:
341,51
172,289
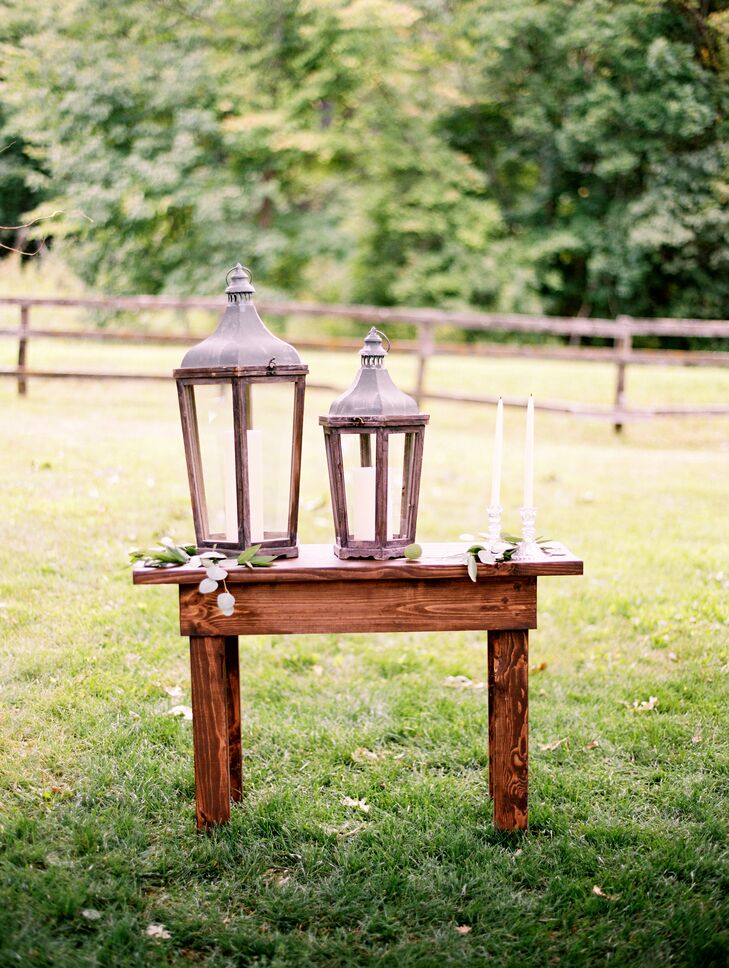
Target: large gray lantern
374,441
242,407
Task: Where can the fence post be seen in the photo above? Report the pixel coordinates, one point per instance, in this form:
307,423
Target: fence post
426,348
623,347
23,348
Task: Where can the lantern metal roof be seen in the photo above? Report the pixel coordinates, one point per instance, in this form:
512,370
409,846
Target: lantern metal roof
241,338
373,394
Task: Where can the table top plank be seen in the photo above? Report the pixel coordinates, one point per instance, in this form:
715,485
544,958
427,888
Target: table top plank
319,563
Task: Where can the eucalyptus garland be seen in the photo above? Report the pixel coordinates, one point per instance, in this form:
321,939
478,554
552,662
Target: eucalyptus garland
216,565
482,553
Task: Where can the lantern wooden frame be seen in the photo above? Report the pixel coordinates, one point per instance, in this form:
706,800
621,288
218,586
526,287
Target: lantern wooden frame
382,428
240,379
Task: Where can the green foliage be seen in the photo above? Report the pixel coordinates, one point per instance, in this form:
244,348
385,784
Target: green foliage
19,170
603,128
547,155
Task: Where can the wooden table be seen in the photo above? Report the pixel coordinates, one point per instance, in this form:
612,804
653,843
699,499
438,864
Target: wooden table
319,593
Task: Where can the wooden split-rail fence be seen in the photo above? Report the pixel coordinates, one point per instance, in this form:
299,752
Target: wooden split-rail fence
620,333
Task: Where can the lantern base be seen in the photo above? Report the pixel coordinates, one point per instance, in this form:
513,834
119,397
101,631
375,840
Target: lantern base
377,552
233,548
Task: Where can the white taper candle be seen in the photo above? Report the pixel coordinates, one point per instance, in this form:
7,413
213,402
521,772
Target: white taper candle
529,456
497,455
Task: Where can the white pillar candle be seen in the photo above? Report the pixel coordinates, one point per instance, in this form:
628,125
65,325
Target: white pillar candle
363,504
529,456
497,455
254,439
229,493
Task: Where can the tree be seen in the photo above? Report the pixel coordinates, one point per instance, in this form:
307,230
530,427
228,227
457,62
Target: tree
551,155
21,176
601,129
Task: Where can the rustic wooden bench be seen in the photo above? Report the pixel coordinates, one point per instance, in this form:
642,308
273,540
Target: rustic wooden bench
319,593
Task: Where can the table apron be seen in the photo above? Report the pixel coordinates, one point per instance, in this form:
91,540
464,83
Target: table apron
364,606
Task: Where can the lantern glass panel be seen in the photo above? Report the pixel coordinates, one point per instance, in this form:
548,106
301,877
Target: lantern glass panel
359,458
214,409
270,450
395,477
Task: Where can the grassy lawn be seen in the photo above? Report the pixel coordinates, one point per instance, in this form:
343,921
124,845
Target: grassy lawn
97,837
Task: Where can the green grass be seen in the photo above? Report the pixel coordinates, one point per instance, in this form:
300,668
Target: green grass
96,789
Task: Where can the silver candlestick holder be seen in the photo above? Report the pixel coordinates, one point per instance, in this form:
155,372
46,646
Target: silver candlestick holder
493,536
528,549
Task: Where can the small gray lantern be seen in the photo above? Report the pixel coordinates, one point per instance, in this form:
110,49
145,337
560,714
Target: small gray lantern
242,408
374,441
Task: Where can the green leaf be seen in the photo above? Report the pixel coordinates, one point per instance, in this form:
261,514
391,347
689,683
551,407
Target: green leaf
413,552
472,567
249,553
263,561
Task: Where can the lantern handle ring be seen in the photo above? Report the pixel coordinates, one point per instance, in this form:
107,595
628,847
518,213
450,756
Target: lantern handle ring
385,337
244,268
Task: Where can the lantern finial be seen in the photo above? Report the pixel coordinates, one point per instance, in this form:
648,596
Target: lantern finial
241,285
373,353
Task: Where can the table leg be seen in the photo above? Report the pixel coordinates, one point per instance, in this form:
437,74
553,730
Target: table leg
210,729
235,754
508,693
490,694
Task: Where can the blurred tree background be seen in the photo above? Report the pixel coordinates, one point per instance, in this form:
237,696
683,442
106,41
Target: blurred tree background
559,156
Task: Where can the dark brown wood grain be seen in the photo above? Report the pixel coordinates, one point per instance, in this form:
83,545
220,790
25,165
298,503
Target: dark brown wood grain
344,606
210,729
509,726
235,752
321,593
318,563
490,698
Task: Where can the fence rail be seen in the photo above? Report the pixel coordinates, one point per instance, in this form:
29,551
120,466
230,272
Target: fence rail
620,332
